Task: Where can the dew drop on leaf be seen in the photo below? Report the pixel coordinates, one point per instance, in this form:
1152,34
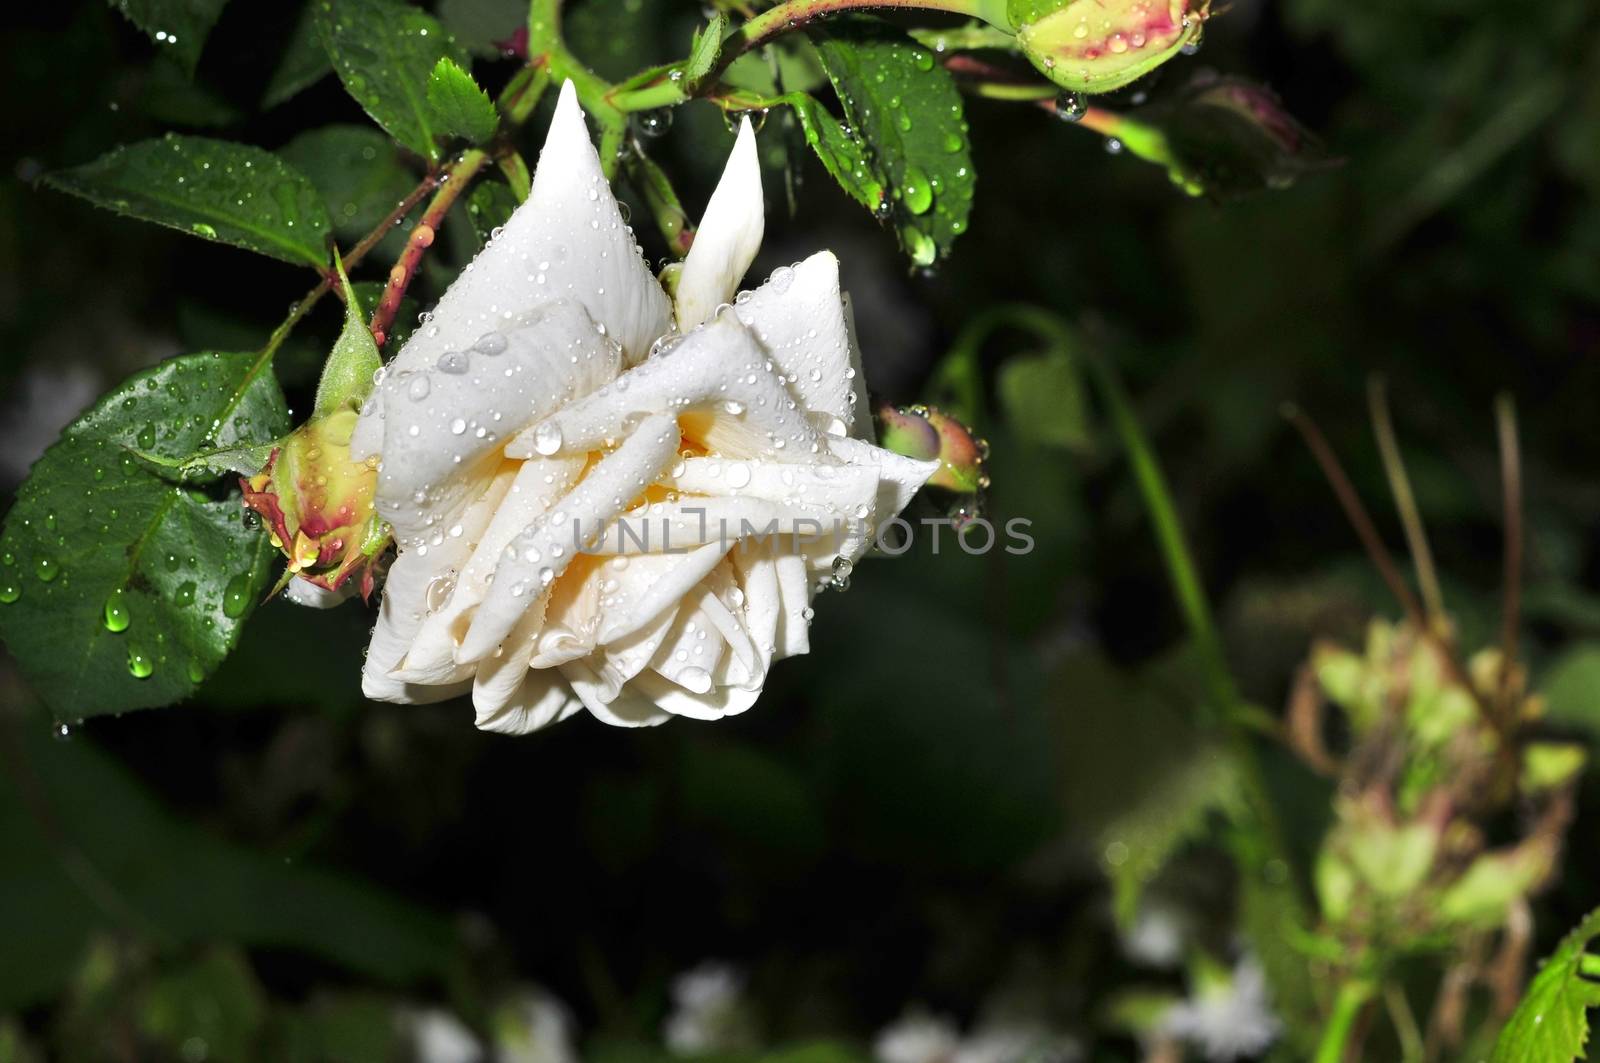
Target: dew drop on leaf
139,664
236,597
117,615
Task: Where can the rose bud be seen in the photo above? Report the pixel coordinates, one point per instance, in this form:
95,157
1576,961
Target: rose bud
318,503
1102,45
1219,137
1228,137
926,433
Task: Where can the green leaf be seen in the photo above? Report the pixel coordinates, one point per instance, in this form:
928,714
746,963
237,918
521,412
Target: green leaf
461,108
841,153
1044,397
123,590
232,193
384,52
704,49
142,871
481,25
1489,885
304,61
216,999
179,27
1551,1025
1136,845
904,106
1571,687
357,170
171,98
489,205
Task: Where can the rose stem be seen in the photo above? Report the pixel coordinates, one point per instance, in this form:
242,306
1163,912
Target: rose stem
451,184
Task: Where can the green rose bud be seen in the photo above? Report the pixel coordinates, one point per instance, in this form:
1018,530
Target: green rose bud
316,502
1101,45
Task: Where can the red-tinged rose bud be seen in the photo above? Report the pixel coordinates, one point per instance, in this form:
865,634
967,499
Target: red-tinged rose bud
317,505
317,502
1102,45
926,433
1223,138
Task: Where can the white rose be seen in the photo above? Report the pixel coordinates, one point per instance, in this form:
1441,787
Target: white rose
556,388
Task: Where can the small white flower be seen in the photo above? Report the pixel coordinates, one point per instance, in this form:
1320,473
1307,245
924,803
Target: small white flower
437,1036
1156,937
917,1038
1229,1020
557,388
534,1027
708,1012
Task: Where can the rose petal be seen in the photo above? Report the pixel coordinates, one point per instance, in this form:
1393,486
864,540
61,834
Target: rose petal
716,380
728,237
399,615
799,319
537,486
625,709
899,477
636,594
567,241
441,429
544,550
535,699
302,591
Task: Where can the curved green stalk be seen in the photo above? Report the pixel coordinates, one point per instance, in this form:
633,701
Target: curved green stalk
1347,1008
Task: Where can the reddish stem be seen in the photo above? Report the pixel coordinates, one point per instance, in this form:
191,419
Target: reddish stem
453,182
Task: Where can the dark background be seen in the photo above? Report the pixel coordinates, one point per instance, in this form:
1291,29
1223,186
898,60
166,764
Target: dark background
902,818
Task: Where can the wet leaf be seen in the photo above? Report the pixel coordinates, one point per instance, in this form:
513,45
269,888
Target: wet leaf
304,61
904,107
123,590
462,108
1551,1025
215,189
384,52
178,27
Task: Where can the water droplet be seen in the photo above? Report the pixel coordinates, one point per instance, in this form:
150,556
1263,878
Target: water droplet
46,569
236,597
1071,106
491,344
452,362
654,123
117,615
10,591
916,191
184,595
547,438
147,437
140,666
842,568
419,387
